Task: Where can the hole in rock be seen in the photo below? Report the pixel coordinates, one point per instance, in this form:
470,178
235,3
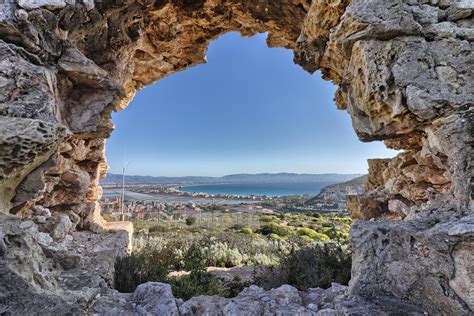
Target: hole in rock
221,169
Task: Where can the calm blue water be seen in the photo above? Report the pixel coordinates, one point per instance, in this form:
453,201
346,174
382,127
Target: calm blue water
269,189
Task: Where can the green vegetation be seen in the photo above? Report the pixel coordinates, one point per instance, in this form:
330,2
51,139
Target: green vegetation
131,271
190,220
297,249
315,265
196,283
312,234
247,231
274,228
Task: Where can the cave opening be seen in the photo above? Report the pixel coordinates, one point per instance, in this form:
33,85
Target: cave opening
402,69
249,110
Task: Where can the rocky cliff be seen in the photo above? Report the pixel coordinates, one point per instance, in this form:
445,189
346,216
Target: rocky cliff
339,191
404,71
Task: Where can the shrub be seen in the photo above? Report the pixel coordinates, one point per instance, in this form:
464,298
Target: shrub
237,227
273,228
275,237
157,229
221,255
342,235
131,271
319,265
262,259
306,238
143,243
196,283
191,220
247,230
312,234
312,266
266,218
297,224
234,287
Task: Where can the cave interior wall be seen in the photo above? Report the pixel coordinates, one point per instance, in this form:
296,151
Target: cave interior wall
404,74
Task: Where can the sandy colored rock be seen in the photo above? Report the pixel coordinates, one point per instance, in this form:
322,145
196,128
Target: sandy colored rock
404,74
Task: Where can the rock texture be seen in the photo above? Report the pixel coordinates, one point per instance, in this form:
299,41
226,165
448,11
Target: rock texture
42,276
404,71
339,191
157,299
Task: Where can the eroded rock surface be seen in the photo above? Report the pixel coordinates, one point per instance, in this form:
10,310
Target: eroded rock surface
285,300
44,276
404,70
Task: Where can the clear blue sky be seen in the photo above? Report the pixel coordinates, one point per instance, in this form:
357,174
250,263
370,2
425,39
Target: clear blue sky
249,109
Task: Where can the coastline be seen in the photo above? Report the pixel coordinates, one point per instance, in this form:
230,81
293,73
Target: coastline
257,189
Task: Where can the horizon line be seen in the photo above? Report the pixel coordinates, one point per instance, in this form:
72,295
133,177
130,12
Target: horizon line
243,173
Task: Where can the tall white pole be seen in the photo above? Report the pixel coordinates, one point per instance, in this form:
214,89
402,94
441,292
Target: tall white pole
122,215
122,218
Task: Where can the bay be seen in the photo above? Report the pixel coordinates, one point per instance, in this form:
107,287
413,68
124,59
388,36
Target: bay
268,189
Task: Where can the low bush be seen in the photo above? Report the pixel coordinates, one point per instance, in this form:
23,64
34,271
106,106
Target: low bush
247,231
157,229
198,282
273,228
316,265
275,237
267,218
131,271
312,234
237,227
190,220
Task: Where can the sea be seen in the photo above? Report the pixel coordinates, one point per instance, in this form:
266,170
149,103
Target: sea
268,189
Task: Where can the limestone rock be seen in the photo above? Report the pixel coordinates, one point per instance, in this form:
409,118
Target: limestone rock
404,71
251,301
89,4
35,4
42,276
62,227
155,299
419,256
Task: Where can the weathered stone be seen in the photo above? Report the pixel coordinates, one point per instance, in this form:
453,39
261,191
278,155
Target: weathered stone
155,299
42,276
251,301
62,227
35,4
404,70
417,257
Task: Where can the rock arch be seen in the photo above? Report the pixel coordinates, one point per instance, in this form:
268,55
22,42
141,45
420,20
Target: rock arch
404,71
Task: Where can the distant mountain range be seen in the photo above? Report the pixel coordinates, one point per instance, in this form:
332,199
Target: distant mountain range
233,178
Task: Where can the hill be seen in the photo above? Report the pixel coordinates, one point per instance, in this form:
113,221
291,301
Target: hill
339,191
233,178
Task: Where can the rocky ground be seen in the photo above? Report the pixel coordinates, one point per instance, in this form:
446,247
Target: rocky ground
42,275
157,299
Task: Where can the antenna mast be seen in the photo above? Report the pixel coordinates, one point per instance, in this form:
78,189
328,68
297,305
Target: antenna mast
122,215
